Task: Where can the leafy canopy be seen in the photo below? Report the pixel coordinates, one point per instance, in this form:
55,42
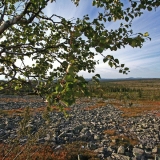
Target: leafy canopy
28,35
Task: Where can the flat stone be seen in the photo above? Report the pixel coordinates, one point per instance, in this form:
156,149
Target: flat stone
99,150
137,152
121,150
119,156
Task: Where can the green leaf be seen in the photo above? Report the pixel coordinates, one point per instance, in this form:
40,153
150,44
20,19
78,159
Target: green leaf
93,3
109,19
134,4
98,75
117,61
126,68
98,49
80,78
104,19
146,34
105,59
69,78
58,88
149,8
1,88
133,44
127,19
110,64
16,87
95,79
122,65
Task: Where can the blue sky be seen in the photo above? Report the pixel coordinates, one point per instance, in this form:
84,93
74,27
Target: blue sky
143,62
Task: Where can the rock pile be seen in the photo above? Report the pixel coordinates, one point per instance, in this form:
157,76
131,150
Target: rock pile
94,127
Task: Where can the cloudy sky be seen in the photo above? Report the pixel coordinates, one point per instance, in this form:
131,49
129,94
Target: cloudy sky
143,62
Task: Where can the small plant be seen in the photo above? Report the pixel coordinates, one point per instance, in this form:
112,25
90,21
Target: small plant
140,93
124,141
130,104
79,149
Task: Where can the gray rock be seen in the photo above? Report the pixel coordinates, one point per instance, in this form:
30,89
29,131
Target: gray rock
96,137
89,126
121,150
22,141
137,152
47,138
155,149
119,156
157,157
158,150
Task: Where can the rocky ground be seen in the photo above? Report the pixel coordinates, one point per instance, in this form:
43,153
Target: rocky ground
104,129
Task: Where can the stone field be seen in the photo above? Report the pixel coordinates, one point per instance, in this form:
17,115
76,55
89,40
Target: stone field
96,122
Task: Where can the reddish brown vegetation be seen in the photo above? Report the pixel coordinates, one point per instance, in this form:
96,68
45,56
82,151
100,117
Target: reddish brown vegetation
46,152
139,108
97,105
123,140
21,99
39,152
120,139
110,132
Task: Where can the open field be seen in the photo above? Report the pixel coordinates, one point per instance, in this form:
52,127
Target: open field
142,89
138,96
131,99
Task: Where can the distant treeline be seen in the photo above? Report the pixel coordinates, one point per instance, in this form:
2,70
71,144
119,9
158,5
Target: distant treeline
9,89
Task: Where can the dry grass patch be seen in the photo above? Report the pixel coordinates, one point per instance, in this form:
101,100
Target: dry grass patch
110,132
97,105
116,103
147,102
36,152
33,111
123,140
46,152
21,99
79,148
157,114
139,108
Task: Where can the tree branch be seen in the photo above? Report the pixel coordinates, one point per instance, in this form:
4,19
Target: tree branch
5,25
2,15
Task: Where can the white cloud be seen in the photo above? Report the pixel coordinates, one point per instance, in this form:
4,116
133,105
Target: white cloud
142,62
